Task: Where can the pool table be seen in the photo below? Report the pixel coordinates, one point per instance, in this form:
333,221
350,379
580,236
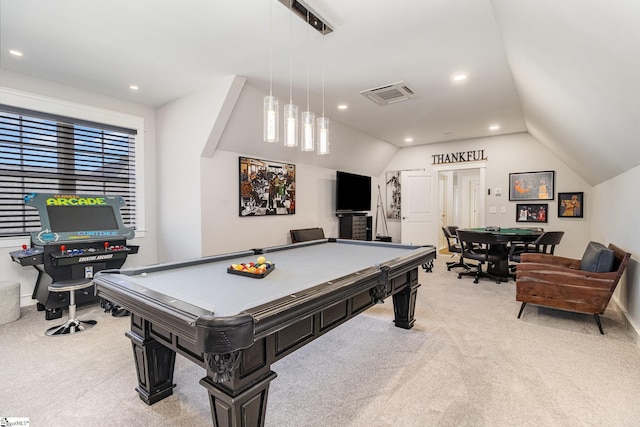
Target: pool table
237,326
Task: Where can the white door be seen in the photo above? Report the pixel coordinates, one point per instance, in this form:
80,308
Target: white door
475,203
419,209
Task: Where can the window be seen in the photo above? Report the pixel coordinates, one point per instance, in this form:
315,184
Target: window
45,153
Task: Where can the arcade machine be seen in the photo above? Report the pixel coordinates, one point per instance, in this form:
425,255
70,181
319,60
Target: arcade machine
80,235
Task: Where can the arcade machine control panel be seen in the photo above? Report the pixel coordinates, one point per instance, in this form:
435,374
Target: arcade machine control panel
80,235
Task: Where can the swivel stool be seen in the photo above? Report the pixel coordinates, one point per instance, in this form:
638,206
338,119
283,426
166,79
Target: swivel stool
72,325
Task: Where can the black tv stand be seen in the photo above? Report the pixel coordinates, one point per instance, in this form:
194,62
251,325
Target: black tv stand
355,225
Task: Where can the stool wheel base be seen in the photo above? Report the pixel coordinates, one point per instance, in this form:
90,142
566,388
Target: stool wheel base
71,326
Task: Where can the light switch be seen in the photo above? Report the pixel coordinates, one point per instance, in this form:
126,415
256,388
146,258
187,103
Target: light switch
498,191
492,209
503,209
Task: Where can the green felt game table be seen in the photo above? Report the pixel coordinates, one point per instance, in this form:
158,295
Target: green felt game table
507,235
237,326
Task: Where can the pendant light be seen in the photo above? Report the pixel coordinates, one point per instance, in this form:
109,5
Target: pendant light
290,110
270,119
323,122
308,117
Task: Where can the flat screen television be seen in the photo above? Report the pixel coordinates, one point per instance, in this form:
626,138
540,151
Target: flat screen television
353,192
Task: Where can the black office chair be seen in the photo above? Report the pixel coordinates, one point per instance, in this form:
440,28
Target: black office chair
306,234
484,248
454,247
544,244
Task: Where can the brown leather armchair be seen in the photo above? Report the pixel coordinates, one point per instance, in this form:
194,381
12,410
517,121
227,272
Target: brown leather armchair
567,284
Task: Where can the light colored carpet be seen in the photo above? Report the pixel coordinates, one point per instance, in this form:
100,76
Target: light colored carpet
468,361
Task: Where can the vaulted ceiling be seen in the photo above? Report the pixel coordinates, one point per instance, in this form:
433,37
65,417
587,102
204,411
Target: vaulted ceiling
564,71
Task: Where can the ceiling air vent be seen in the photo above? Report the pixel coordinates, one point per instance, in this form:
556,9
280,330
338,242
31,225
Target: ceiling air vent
389,94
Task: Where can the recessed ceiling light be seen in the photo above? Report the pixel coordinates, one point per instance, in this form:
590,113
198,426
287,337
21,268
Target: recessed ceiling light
459,77
133,87
343,107
15,52
494,127
408,139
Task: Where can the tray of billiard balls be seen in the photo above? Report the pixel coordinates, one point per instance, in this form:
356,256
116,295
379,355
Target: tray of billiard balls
256,270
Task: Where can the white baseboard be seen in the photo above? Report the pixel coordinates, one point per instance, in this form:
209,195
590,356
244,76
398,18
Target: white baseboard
633,329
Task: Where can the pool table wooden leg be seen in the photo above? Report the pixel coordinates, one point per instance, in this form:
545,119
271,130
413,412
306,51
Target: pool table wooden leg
154,363
238,408
404,305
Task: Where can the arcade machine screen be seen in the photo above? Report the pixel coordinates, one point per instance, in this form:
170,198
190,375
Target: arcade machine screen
72,218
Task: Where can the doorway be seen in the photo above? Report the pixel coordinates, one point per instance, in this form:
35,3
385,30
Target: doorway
460,197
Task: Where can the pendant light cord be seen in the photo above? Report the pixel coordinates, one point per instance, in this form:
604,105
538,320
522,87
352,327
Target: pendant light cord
270,50
307,42
290,54
322,59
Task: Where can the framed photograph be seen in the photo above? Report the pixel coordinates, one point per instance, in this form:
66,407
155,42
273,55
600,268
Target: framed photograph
570,205
267,188
531,212
531,185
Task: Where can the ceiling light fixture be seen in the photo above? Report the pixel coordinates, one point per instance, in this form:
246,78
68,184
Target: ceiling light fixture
343,107
290,110
15,52
308,117
408,139
459,77
134,87
271,108
494,127
309,15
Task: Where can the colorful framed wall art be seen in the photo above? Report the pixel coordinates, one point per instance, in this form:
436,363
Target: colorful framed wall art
267,187
531,185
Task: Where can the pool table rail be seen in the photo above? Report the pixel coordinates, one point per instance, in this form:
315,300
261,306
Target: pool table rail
183,264
151,306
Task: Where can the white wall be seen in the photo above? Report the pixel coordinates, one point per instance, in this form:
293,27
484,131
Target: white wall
66,96
198,199
351,150
223,230
184,129
508,154
614,219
